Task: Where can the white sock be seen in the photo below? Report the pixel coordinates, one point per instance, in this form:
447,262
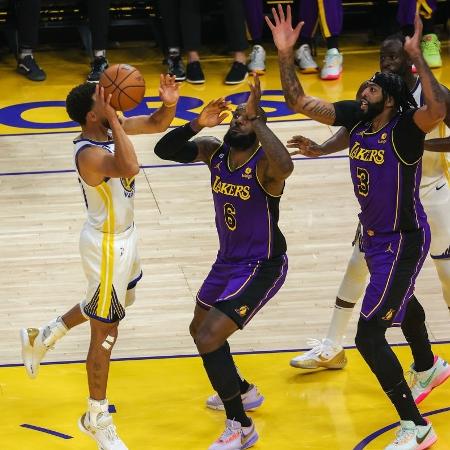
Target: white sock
98,53
25,52
54,331
339,324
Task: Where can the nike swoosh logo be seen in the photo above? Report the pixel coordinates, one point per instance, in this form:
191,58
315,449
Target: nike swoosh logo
421,439
440,187
425,383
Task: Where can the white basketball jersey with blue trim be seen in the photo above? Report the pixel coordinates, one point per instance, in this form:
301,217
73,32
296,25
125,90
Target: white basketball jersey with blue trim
434,165
110,205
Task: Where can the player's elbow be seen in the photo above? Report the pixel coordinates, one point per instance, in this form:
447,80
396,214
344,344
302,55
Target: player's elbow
438,112
161,150
286,168
131,170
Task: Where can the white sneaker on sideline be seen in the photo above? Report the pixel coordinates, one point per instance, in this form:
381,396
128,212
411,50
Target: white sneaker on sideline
251,400
422,383
413,437
304,60
323,354
37,341
257,62
332,65
235,437
98,424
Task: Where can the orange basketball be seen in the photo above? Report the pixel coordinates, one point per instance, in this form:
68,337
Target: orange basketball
126,84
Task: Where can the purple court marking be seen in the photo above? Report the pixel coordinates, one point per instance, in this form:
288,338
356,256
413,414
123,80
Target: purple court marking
46,430
144,358
367,440
151,166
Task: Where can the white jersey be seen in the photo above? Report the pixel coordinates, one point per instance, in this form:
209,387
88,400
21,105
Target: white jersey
110,205
434,165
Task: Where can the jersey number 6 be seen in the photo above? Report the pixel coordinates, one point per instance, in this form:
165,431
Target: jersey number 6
229,212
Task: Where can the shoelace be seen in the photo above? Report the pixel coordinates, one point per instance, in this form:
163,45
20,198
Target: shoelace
412,378
331,60
111,433
432,46
229,430
307,53
403,435
317,347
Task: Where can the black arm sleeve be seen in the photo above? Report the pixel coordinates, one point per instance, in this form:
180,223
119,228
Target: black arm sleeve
348,114
175,145
408,138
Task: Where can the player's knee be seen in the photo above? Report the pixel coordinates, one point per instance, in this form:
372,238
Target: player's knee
414,320
368,336
130,298
193,328
206,341
104,335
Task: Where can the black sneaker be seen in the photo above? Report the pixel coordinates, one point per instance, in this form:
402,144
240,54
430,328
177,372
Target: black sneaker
194,73
98,66
237,74
28,67
176,67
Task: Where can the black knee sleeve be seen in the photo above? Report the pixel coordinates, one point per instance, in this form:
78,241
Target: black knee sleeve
222,372
414,320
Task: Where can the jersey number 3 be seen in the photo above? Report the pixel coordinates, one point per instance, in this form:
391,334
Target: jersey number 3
363,185
229,212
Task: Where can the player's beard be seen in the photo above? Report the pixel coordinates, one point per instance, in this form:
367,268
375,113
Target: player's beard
105,123
373,109
240,141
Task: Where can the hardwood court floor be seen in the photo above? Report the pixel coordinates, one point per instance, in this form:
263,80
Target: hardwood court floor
41,214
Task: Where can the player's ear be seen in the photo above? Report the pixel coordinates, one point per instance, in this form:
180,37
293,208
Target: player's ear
91,116
390,102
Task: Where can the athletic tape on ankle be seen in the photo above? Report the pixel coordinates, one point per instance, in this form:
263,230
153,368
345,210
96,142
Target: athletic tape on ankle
108,342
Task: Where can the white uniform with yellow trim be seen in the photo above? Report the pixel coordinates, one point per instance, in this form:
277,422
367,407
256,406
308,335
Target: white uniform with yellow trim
108,241
435,197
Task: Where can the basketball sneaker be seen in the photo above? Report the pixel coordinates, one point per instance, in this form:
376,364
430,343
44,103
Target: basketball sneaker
236,437
28,67
37,341
176,66
431,50
98,66
304,60
251,400
98,424
194,73
422,383
323,354
413,437
332,65
257,62
237,73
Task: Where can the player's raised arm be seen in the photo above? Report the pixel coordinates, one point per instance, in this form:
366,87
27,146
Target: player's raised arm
285,38
310,149
428,116
277,164
95,163
160,120
177,146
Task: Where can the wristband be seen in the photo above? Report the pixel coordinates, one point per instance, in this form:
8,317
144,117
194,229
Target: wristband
170,105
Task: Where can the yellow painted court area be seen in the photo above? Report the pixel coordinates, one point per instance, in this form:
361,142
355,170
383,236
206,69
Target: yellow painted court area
160,405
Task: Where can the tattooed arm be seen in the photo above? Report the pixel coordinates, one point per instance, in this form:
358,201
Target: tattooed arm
428,116
285,38
276,164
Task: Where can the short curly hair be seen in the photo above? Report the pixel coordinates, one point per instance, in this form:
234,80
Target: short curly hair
79,102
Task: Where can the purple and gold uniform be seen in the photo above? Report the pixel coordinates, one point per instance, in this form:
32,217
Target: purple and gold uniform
251,264
386,169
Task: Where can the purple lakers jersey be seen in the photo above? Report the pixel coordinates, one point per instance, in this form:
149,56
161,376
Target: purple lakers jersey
386,186
246,215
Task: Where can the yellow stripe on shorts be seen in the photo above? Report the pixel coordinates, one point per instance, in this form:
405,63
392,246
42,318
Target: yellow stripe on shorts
107,266
323,19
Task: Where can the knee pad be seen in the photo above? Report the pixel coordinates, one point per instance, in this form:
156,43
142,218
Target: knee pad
354,281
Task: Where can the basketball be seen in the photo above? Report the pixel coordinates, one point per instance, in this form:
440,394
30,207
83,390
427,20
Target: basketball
126,84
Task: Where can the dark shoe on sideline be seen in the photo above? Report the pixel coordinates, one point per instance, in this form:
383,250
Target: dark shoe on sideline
237,74
28,67
98,66
194,73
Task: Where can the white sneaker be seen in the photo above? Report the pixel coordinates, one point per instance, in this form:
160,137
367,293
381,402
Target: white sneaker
251,400
37,341
257,62
235,437
332,65
304,60
323,354
413,437
98,424
422,383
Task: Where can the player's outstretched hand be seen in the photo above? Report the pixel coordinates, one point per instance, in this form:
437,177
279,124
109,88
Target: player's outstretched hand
412,44
252,105
305,147
168,90
284,36
104,103
214,113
